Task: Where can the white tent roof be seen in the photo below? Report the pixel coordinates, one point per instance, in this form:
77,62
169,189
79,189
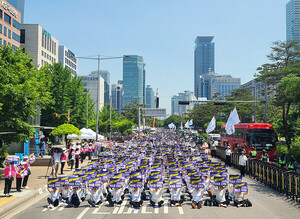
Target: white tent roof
86,134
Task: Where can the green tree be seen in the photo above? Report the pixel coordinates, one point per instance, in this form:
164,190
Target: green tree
131,111
104,118
67,94
22,90
283,74
123,126
65,129
176,120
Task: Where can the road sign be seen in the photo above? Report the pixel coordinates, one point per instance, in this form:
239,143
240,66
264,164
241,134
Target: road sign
154,112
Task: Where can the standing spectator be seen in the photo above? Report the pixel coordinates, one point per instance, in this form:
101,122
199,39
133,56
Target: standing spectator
281,160
56,160
77,154
28,167
293,165
228,156
72,157
265,157
213,148
19,177
9,174
82,154
242,162
42,148
90,151
63,160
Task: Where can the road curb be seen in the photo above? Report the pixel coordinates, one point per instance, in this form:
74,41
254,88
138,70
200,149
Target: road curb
22,200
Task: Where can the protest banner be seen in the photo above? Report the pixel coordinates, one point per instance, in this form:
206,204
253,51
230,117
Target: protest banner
12,158
234,179
94,182
64,180
240,187
175,183
220,181
155,182
197,183
24,172
74,181
53,183
31,157
136,183
116,183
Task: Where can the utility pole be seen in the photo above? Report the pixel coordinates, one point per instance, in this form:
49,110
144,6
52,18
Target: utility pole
254,111
98,90
139,119
266,103
87,110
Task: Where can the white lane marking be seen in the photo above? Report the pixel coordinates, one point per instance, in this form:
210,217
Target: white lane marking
83,213
180,209
156,210
136,211
53,208
144,208
116,209
166,210
45,209
122,207
62,207
97,209
129,210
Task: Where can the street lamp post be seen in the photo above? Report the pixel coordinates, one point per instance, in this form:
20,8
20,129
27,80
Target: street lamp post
98,88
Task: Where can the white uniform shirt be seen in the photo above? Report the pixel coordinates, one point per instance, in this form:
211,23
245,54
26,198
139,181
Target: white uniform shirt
54,195
135,195
116,194
220,195
79,195
175,195
156,196
95,195
66,192
228,152
197,195
243,160
56,157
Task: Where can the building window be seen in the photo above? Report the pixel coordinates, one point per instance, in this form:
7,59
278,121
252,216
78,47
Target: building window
9,33
0,28
1,16
4,42
0,41
16,37
7,18
16,24
22,38
5,31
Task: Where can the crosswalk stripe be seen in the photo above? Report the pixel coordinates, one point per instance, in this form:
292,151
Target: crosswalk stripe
45,209
180,209
136,211
122,207
83,213
62,207
166,210
97,209
144,208
156,210
116,209
129,211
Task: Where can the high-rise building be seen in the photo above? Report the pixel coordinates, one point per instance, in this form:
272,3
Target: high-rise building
133,67
68,59
144,84
180,110
90,83
106,76
204,61
19,5
257,89
293,20
117,96
213,83
150,97
42,46
10,19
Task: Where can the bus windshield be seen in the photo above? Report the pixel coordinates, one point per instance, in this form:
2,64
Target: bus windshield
262,139
216,138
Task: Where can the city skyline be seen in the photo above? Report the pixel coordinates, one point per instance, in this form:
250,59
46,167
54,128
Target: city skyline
167,42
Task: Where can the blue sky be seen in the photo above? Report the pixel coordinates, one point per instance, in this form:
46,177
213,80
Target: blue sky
163,32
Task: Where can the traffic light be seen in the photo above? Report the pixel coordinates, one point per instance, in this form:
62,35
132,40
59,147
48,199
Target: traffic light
219,103
184,102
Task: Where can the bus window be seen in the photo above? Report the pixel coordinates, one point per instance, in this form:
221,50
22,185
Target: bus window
262,139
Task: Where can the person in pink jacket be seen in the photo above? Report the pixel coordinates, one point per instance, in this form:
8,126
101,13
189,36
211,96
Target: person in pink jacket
9,174
27,166
63,160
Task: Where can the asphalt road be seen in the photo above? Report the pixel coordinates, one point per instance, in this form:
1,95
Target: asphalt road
266,204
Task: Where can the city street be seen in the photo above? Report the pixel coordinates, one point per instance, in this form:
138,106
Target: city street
266,204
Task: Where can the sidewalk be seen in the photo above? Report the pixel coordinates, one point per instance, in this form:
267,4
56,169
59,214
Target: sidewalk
37,184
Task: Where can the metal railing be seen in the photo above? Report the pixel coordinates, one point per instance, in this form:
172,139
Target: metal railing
280,179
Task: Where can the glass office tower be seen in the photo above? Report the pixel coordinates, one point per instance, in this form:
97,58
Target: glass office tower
293,20
19,5
133,67
204,61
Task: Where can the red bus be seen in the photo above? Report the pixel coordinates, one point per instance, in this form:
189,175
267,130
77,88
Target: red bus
251,135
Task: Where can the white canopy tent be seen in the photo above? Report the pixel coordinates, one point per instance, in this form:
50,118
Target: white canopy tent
86,134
